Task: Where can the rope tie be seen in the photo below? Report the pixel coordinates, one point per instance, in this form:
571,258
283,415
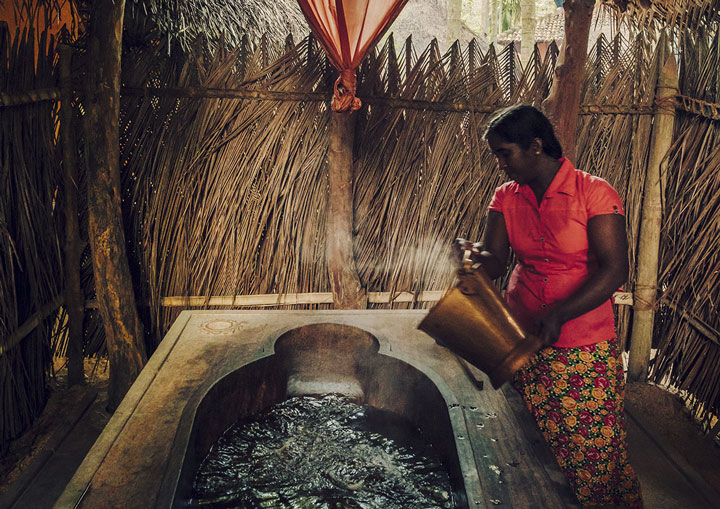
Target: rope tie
667,104
642,304
700,107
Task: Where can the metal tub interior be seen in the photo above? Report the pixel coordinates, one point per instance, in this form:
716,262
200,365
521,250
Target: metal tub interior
312,360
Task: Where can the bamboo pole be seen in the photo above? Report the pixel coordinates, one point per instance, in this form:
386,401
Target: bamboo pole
286,299
113,284
74,298
348,292
649,242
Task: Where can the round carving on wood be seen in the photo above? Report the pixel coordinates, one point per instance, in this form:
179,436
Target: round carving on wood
221,326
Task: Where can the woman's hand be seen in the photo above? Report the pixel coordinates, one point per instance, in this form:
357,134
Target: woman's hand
492,253
460,248
549,325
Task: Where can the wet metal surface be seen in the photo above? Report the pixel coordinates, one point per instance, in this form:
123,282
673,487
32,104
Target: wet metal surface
323,452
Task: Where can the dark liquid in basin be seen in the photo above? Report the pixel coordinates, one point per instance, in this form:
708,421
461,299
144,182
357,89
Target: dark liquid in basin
322,452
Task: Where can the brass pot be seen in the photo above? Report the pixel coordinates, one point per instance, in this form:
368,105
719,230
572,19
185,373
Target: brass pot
472,321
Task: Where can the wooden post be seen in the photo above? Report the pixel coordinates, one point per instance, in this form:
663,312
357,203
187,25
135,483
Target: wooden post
113,283
347,291
649,243
74,297
563,104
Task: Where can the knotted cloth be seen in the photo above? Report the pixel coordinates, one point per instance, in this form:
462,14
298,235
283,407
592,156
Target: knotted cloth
347,29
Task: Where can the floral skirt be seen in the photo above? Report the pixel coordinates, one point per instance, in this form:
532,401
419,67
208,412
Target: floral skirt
576,396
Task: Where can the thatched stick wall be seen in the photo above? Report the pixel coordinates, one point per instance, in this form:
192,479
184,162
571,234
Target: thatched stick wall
423,176
30,253
687,331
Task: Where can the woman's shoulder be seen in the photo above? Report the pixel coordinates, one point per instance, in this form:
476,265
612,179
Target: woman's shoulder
509,187
592,183
599,196
502,197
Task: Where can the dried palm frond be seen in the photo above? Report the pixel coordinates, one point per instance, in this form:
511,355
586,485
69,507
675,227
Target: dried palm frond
670,13
689,346
30,255
220,23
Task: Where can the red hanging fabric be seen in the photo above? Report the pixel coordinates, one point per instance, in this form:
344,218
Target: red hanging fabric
347,29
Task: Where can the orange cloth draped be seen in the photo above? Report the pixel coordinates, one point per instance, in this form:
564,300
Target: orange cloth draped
347,29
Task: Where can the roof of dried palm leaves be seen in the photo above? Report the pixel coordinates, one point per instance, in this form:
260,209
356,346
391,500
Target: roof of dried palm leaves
674,13
183,21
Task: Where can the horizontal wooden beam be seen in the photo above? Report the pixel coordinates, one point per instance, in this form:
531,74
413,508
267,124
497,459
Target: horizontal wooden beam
274,299
267,299
226,93
281,95
683,103
29,96
616,109
698,107
393,102
687,104
289,299
29,325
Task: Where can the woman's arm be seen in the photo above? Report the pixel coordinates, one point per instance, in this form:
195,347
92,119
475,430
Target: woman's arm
607,243
493,252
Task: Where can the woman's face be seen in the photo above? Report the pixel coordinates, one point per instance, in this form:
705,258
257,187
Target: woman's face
517,163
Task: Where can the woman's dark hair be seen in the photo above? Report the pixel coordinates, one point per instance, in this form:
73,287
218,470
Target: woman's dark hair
521,124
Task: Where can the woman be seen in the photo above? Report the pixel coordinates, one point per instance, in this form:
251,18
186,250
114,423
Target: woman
567,231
